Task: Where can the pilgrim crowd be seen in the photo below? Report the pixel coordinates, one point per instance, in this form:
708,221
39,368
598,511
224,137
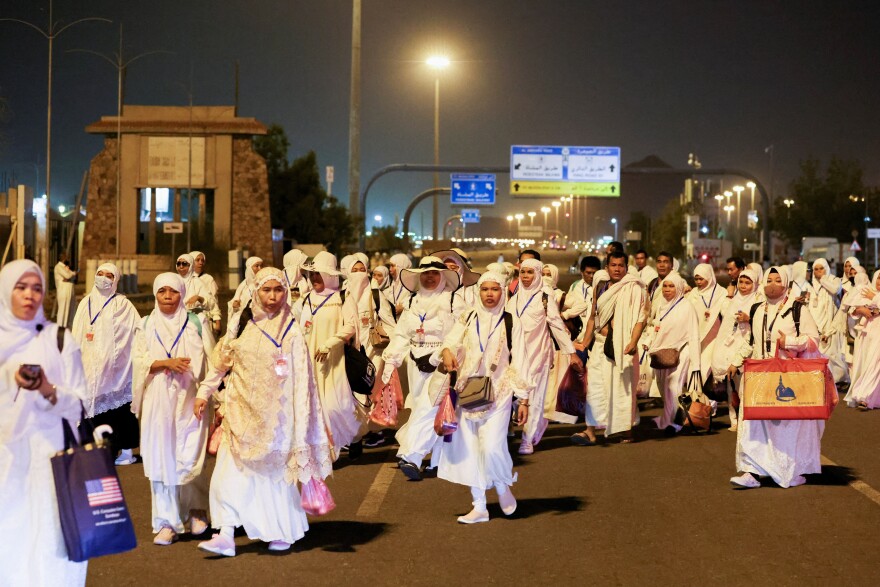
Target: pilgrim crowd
269,397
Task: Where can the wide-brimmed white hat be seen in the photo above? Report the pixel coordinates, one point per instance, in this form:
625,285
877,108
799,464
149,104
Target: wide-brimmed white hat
324,262
468,277
410,277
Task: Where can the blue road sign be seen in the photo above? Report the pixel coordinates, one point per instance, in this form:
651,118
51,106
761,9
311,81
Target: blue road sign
470,216
474,189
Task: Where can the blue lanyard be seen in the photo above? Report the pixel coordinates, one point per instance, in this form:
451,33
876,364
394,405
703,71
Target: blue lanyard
709,305
269,336
399,291
519,313
584,289
483,350
176,340
315,311
670,309
422,320
92,320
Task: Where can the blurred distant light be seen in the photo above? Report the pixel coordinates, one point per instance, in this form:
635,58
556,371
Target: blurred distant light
438,61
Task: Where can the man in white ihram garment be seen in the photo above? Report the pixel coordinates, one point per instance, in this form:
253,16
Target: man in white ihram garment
620,312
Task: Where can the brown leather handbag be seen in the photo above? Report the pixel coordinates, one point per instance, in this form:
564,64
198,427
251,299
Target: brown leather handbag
697,415
665,359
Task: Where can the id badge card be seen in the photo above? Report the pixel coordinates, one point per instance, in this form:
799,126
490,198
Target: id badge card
282,366
420,335
365,320
307,327
90,336
729,340
706,314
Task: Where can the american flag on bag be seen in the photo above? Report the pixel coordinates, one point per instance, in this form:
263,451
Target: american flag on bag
103,491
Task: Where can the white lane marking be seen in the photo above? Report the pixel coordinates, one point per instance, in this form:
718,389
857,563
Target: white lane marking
857,484
378,490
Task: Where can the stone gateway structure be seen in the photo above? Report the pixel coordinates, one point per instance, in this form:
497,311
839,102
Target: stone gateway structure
194,167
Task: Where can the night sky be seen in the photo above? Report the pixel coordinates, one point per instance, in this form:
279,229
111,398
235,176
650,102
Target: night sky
722,79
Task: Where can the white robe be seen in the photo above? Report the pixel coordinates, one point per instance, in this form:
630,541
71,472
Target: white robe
832,341
107,356
33,551
780,449
64,289
865,387
708,304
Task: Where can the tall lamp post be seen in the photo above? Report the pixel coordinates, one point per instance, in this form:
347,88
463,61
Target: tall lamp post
50,33
519,218
531,216
509,224
739,190
438,63
718,198
546,211
614,222
751,185
556,206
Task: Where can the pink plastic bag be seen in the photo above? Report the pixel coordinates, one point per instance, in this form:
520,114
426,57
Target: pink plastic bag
214,440
387,401
446,422
316,498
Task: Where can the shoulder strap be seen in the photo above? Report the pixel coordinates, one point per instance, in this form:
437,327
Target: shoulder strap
376,300
342,295
562,300
752,311
61,331
508,329
795,311
544,298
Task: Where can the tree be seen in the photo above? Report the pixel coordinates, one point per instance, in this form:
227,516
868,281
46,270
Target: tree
298,202
831,204
385,239
667,232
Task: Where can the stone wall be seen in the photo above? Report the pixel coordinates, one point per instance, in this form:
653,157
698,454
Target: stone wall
99,236
251,223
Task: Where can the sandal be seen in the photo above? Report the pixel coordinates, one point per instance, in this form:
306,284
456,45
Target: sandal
582,439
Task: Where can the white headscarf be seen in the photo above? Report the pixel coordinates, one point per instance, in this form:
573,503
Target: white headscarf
386,281
489,318
401,262
15,333
553,279
167,325
759,272
292,261
249,270
98,295
799,278
189,272
529,309
854,297
783,274
263,276
195,256
677,323
357,286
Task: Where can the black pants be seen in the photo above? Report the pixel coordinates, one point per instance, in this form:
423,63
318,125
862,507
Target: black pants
126,430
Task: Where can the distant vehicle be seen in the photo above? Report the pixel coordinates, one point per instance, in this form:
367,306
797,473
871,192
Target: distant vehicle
824,247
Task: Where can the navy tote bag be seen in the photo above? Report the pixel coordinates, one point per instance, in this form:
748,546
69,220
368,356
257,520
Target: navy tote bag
94,518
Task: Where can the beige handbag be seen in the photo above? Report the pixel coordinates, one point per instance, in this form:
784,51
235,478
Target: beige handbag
477,392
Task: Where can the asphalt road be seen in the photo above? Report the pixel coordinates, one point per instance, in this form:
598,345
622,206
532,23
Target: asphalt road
659,511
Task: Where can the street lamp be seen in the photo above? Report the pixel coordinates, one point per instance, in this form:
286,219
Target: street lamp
752,185
509,224
438,63
519,218
719,198
556,207
729,208
532,218
739,190
788,204
614,222
546,211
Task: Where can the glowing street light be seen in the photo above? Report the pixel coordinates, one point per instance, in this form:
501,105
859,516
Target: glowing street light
509,224
556,206
739,190
752,185
546,211
614,222
729,208
377,218
719,198
519,218
438,63
532,218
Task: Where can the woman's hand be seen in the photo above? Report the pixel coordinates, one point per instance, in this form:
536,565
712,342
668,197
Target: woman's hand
522,414
236,304
731,371
780,342
199,408
194,300
448,362
577,363
321,356
869,292
178,365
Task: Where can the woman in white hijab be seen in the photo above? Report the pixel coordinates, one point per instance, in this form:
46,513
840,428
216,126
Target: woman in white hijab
199,300
239,305
823,308
727,358
466,292
169,362
397,295
477,455
419,333
784,450
199,261
675,326
328,323
31,410
273,432
864,393
357,287
104,327
535,319
707,298
299,284
381,279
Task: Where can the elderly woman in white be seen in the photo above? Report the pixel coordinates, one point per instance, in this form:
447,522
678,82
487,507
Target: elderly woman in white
104,327
419,333
824,308
210,285
864,393
273,432
169,361
298,283
199,299
674,326
329,322
478,346
708,298
784,450
32,406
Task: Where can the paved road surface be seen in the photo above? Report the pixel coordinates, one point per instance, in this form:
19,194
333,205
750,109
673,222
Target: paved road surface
659,511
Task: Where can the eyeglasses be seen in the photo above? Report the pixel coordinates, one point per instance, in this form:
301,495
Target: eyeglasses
182,264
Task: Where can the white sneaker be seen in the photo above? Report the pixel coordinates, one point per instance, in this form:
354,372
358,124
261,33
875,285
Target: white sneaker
526,448
125,458
279,545
165,537
474,517
219,544
507,502
745,481
799,480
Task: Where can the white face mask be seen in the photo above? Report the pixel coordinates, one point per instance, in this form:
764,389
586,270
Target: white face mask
548,281
103,282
